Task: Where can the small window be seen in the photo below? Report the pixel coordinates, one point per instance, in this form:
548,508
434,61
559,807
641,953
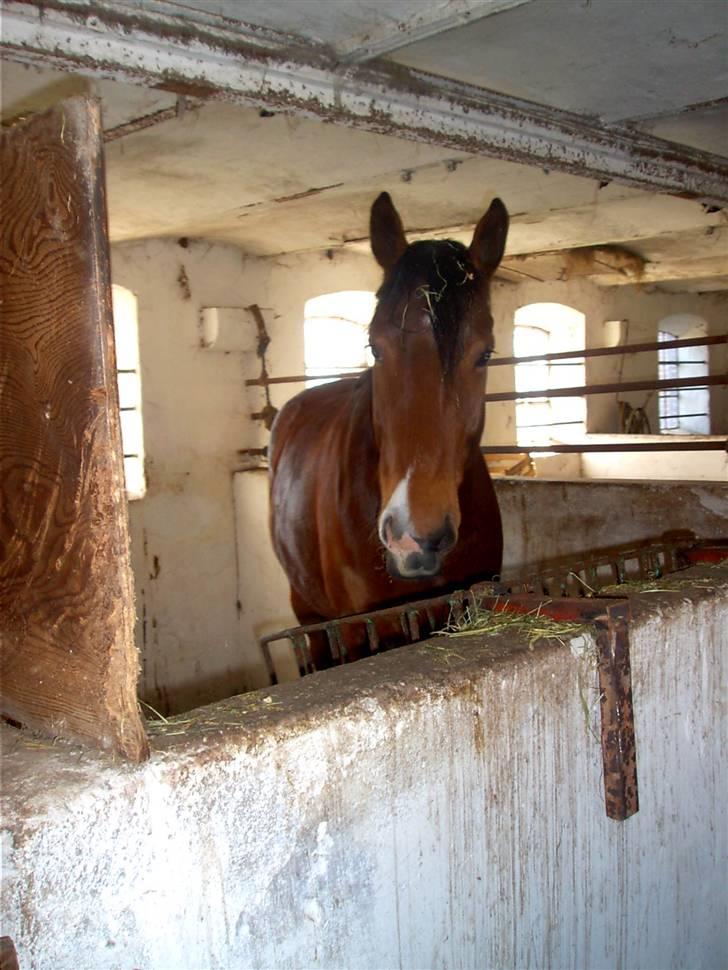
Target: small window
547,328
126,340
336,334
683,410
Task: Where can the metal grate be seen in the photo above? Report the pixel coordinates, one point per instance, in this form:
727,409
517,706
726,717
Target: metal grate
574,576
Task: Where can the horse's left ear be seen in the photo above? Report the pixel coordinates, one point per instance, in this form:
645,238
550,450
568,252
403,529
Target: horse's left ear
386,232
489,238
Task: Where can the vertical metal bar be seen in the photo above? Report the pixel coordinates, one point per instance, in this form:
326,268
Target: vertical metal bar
455,602
617,716
334,637
372,636
621,569
302,654
414,625
265,647
431,619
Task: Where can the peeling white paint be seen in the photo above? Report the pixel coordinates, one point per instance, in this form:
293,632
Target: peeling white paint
398,101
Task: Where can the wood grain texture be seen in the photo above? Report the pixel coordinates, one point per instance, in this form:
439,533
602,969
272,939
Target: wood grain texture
67,659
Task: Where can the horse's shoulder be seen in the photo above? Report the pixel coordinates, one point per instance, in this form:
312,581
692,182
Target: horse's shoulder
312,411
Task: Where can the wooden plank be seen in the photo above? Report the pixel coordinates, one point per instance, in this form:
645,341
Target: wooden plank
67,656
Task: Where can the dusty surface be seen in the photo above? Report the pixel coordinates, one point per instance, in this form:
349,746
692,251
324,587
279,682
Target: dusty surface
439,806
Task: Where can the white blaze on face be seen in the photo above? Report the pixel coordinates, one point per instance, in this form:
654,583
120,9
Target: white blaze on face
398,510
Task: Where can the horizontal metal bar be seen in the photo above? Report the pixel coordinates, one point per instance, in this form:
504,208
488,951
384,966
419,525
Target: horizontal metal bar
613,351
500,361
257,67
675,417
549,424
622,387
720,444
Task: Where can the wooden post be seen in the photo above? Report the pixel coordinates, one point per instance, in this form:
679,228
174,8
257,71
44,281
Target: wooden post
67,657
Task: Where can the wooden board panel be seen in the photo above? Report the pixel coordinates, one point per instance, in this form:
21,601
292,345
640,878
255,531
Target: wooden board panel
67,660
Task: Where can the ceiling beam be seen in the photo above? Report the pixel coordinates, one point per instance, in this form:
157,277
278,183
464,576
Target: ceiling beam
117,42
429,21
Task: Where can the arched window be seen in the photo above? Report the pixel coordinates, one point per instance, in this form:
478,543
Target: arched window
683,410
547,328
335,333
126,340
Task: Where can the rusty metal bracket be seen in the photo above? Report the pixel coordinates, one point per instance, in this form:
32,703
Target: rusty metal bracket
268,413
619,752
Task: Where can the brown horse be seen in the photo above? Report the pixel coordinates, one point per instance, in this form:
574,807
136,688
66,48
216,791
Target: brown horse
378,488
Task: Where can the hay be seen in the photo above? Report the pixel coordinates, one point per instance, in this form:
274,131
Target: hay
665,584
478,621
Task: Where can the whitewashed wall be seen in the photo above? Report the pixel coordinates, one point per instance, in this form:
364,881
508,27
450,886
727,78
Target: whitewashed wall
437,807
182,532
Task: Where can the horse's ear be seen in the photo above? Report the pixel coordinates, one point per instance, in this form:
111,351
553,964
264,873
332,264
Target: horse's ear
386,232
489,238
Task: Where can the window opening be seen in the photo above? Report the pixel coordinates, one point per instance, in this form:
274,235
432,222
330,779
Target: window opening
546,328
126,341
336,334
683,410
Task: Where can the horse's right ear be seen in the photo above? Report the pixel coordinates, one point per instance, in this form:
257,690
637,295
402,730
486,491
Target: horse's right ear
386,232
489,239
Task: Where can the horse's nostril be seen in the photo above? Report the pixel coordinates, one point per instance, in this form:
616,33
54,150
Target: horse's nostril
441,541
425,563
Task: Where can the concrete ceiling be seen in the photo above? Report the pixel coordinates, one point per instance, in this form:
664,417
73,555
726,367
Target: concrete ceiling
273,179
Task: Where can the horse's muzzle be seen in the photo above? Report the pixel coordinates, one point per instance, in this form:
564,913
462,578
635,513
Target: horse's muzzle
416,557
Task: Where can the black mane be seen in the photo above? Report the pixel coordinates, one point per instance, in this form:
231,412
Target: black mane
444,274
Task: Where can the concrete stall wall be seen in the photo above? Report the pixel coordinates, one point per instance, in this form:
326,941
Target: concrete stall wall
440,806
207,585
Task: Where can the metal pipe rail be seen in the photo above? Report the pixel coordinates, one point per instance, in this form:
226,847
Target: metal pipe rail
714,444
620,387
511,361
717,444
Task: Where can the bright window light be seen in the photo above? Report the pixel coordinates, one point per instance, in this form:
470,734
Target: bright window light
547,328
126,340
335,334
683,410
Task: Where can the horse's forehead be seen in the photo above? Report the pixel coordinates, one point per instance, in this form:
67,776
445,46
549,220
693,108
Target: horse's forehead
420,306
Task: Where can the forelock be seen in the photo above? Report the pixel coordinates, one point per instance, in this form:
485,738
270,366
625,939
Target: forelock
443,274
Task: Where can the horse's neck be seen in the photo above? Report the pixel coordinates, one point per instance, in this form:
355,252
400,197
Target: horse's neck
356,468
357,433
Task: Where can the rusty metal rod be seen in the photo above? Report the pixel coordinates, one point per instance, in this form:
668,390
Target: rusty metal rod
613,351
717,444
720,444
511,361
619,387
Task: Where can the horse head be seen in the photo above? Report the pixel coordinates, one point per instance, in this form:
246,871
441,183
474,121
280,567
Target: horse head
431,337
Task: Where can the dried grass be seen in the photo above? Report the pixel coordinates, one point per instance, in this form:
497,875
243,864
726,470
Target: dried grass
665,584
476,620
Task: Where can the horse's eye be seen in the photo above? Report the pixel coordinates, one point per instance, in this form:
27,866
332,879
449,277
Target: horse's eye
482,361
375,352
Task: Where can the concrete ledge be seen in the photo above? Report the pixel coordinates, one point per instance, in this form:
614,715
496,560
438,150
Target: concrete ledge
438,806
